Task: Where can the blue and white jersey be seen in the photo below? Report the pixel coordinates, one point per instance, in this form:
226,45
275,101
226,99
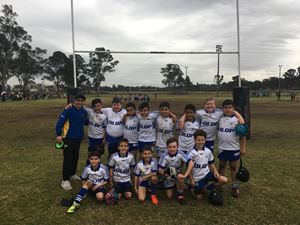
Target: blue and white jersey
115,125
97,123
209,122
167,160
202,159
228,140
141,169
131,129
186,140
121,166
147,127
165,130
95,176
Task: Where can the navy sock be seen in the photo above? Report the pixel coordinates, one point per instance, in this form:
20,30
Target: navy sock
80,195
153,189
179,193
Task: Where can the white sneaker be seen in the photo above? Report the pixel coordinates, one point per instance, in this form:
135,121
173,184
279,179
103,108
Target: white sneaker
75,177
65,184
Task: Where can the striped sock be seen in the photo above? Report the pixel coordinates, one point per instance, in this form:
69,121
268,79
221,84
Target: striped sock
80,195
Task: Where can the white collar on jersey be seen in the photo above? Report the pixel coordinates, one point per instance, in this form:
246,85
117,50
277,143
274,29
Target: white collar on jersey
199,149
174,154
149,162
122,156
95,169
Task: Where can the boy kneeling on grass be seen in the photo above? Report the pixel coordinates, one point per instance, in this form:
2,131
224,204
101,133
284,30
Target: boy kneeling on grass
146,176
95,176
204,169
170,167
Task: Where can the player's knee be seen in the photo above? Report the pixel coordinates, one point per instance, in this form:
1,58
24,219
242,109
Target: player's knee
99,197
142,198
154,179
128,195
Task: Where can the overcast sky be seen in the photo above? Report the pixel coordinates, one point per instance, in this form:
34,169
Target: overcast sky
269,34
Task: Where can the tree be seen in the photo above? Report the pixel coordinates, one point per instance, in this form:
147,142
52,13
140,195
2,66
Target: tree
82,71
188,83
28,64
57,68
12,36
290,78
173,76
100,64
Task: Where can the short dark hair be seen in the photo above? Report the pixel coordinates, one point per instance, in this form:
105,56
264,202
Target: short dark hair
116,100
190,106
94,154
143,105
171,140
200,133
130,104
146,148
124,140
164,104
95,101
228,102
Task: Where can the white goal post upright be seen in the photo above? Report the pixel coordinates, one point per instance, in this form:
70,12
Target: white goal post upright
157,52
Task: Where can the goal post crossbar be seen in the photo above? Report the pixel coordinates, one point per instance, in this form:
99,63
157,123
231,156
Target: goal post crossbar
157,52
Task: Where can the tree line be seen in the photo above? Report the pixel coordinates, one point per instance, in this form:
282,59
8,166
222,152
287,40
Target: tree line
18,58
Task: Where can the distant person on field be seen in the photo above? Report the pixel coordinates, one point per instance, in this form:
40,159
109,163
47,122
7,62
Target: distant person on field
70,130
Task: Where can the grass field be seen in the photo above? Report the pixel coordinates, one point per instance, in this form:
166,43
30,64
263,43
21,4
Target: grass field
30,171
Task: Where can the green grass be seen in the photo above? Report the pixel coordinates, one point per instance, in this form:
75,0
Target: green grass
30,171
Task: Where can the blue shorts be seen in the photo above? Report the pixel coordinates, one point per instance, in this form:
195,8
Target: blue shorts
230,156
133,147
145,183
142,144
122,187
100,189
210,145
94,143
112,143
201,184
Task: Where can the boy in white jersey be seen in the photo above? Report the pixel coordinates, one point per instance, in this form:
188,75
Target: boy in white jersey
185,138
170,167
147,126
165,128
94,177
230,144
146,176
204,169
97,125
115,125
120,169
131,133
209,118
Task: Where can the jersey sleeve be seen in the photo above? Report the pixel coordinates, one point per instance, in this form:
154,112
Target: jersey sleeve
132,162
137,171
210,158
154,169
162,162
105,122
88,111
84,175
111,162
61,121
106,110
186,159
191,155
105,173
